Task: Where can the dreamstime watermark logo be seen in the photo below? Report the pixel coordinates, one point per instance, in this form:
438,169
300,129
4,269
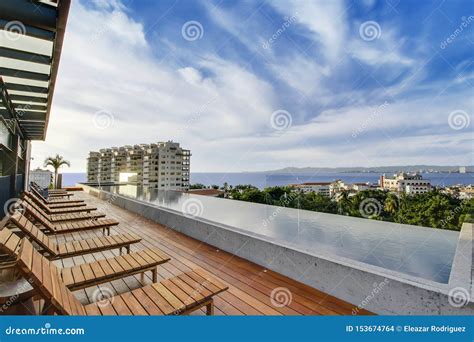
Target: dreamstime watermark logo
286,200
103,119
372,118
14,298
458,297
103,296
192,30
281,120
192,207
46,330
459,119
280,297
465,22
370,30
12,206
453,214
377,288
22,111
370,207
14,30
104,207
286,24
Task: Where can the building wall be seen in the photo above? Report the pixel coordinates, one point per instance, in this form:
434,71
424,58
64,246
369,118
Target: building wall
14,162
43,178
323,189
163,165
410,184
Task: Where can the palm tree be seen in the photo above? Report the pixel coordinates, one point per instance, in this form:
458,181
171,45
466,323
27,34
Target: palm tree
344,203
391,204
56,163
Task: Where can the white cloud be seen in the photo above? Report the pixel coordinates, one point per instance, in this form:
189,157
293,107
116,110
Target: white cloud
326,20
221,110
301,74
149,99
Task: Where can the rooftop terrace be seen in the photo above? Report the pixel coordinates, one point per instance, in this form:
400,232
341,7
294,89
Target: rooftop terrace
306,251
250,285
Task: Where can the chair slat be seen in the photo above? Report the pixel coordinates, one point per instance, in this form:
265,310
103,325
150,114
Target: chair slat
174,301
121,307
150,307
132,303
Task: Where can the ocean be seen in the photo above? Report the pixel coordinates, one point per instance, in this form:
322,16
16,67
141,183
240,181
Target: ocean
263,180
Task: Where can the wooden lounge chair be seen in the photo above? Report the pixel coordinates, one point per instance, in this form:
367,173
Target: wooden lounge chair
54,203
52,192
182,294
72,248
54,200
51,210
98,272
64,204
57,191
59,195
64,217
66,227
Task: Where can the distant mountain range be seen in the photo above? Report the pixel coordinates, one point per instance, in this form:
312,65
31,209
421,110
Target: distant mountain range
378,169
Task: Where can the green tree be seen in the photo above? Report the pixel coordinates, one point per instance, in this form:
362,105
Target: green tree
391,205
253,195
56,162
319,202
432,209
197,186
344,203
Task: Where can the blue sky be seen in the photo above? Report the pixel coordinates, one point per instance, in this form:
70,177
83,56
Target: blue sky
260,85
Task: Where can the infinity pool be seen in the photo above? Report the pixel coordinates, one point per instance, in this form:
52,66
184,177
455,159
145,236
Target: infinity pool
419,251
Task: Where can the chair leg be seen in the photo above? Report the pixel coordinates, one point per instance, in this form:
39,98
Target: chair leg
108,231
128,249
210,308
154,275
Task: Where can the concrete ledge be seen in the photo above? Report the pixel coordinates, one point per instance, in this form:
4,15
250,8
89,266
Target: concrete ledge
373,288
462,273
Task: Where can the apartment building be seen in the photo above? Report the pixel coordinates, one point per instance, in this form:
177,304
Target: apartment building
93,167
411,184
162,165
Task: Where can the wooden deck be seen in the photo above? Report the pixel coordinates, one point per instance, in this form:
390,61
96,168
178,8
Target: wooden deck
250,285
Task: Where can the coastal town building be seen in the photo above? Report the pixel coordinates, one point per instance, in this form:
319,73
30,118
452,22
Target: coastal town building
162,165
323,188
332,189
463,192
411,184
